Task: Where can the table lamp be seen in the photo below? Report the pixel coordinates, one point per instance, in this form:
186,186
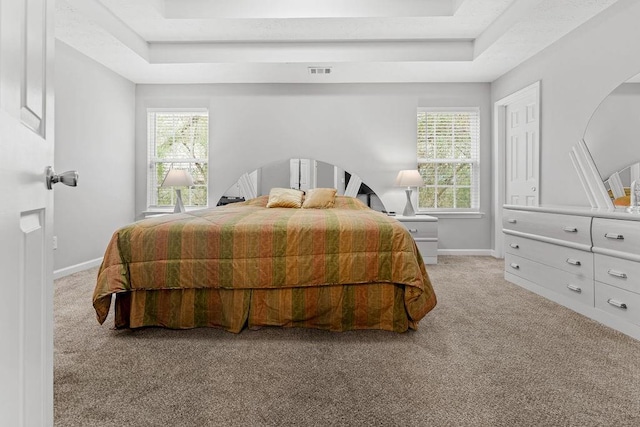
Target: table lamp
178,178
409,178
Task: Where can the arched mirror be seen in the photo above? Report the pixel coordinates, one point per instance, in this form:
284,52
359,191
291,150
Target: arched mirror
302,174
613,139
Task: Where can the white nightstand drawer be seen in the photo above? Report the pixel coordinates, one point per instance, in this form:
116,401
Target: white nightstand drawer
570,228
572,260
620,303
613,234
577,287
422,226
424,230
618,272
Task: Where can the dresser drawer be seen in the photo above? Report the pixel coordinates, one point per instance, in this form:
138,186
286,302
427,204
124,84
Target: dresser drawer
570,228
618,272
571,260
577,287
617,235
421,228
620,303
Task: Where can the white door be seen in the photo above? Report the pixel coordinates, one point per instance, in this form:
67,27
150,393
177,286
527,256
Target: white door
26,148
522,151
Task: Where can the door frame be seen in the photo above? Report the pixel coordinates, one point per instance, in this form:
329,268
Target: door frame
499,160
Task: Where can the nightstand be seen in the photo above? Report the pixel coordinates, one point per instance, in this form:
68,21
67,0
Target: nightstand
424,230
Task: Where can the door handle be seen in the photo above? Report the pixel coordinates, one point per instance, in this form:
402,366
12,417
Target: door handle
512,221
515,245
573,261
570,229
69,178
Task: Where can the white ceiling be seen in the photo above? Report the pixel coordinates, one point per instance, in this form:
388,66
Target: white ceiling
275,41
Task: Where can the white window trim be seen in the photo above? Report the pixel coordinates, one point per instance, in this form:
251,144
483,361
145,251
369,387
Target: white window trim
177,110
153,209
454,212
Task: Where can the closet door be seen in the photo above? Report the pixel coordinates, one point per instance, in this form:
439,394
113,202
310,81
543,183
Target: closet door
522,150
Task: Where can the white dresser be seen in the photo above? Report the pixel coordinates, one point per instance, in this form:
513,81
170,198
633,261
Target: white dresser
424,229
585,259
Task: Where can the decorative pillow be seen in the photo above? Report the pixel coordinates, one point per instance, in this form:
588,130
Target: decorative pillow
285,198
320,198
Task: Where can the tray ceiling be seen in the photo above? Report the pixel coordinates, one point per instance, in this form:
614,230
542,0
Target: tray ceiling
276,41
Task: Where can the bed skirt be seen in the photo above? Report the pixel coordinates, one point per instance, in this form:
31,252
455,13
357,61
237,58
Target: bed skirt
335,308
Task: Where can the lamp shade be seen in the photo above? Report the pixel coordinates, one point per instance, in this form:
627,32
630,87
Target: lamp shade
178,178
409,178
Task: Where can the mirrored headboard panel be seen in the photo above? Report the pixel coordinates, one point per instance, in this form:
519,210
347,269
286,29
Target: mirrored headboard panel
303,174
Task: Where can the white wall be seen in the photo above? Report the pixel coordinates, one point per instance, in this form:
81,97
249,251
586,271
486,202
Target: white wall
613,133
576,74
94,116
367,129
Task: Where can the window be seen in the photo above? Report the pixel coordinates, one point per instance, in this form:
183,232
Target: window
178,140
448,159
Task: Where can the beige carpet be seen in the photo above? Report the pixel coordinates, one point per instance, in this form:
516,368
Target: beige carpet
490,354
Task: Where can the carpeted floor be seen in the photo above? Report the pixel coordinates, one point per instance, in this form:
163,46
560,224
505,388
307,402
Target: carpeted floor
490,354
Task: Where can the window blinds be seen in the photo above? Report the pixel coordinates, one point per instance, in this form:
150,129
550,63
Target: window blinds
448,159
180,140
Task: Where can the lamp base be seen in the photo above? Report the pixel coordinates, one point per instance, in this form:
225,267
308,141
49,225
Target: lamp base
179,205
408,209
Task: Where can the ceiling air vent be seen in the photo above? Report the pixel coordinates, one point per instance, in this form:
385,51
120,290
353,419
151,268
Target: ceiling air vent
319,70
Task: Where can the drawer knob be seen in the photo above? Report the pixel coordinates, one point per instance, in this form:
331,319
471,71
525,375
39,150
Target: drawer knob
515,246
413,230
573,261
617,303
512,221
574,288
614,236
570,229
616,273
515,266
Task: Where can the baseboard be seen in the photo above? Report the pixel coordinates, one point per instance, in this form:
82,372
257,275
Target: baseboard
57,274
496,255
466,252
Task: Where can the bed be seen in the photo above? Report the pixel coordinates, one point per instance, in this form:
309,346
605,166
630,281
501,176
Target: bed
245,265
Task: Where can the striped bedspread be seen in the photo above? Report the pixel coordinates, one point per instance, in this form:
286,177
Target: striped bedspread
246,246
